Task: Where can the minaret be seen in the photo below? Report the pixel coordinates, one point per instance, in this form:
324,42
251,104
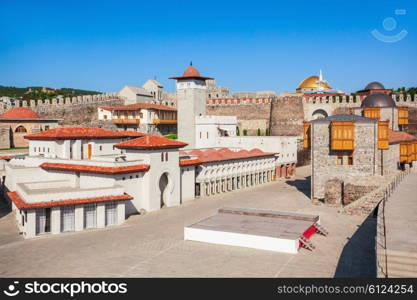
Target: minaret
191,103
321,82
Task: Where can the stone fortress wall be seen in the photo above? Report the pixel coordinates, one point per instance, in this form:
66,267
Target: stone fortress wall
85,99
285,115
72,110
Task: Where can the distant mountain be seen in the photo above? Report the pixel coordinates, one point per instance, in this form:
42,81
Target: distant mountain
38,92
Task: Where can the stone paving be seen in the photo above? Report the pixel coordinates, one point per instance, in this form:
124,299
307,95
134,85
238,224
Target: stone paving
401,216
152,245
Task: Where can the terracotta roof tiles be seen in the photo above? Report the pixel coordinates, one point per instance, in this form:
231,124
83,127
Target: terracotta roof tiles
20,113
400,136
95,169
21,204
151,142
64,133
213,155
138,106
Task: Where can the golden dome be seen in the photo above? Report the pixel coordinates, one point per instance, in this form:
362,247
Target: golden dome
311,83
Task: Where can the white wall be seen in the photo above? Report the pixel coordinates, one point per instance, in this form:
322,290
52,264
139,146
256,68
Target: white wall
104,114
187,183
285,146
207,129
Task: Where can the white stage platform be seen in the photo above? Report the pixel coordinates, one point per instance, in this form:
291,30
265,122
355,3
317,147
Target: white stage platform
259,229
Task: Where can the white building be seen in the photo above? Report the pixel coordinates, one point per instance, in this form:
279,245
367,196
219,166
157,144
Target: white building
202,131
104,113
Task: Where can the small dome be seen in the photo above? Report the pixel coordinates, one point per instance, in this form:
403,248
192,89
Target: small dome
311,82
20,113
191,71
378,100
375,85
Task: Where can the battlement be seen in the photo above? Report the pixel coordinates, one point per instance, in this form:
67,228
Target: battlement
337,101
67,101
237,101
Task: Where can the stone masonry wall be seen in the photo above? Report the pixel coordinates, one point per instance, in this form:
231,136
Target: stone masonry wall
4,138
249,116
352,192
324,160
74,114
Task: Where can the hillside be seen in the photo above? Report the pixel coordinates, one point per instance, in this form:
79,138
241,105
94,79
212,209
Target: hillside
37,92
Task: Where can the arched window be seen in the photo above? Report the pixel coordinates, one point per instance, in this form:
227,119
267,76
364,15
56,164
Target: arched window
20,129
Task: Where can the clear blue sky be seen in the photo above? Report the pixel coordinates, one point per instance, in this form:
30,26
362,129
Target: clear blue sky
246,46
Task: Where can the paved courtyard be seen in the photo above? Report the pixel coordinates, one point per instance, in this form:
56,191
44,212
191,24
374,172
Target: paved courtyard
152,245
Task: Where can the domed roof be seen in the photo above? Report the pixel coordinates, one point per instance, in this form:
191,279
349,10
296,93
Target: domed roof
311,82
378,100
20,113
191,71
374,85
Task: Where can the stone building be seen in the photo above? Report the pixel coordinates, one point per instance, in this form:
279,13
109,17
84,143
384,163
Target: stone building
135,94
214,91
20,121
361,146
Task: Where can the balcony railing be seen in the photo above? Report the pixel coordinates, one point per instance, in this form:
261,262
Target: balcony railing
126,121
164,122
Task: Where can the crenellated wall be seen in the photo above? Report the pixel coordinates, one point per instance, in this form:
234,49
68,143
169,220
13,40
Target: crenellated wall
67,101
313,105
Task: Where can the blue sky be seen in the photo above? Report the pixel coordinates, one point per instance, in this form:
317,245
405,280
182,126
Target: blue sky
246,46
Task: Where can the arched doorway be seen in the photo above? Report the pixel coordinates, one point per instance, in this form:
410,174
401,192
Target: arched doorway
163,188
320,113
20,129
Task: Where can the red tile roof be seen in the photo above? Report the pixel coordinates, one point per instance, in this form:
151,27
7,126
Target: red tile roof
106,108
399,136
151,142
86,133
20,113
21,204
6,158
95,169
189,162
131,133
212,155
191,73
138,106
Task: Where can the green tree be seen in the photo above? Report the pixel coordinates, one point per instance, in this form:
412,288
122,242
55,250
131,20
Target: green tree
258,133
237,131
245,132
267,132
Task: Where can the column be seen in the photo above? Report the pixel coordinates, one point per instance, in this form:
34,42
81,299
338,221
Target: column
202,189
31,224
79,217
55,220
101,215
121,212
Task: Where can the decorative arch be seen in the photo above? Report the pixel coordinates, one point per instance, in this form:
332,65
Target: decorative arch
21,129
320,113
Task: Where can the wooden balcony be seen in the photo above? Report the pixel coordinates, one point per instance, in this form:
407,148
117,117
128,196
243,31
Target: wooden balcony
164,122
126,121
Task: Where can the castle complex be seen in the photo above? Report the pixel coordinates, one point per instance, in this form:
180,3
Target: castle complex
82,178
